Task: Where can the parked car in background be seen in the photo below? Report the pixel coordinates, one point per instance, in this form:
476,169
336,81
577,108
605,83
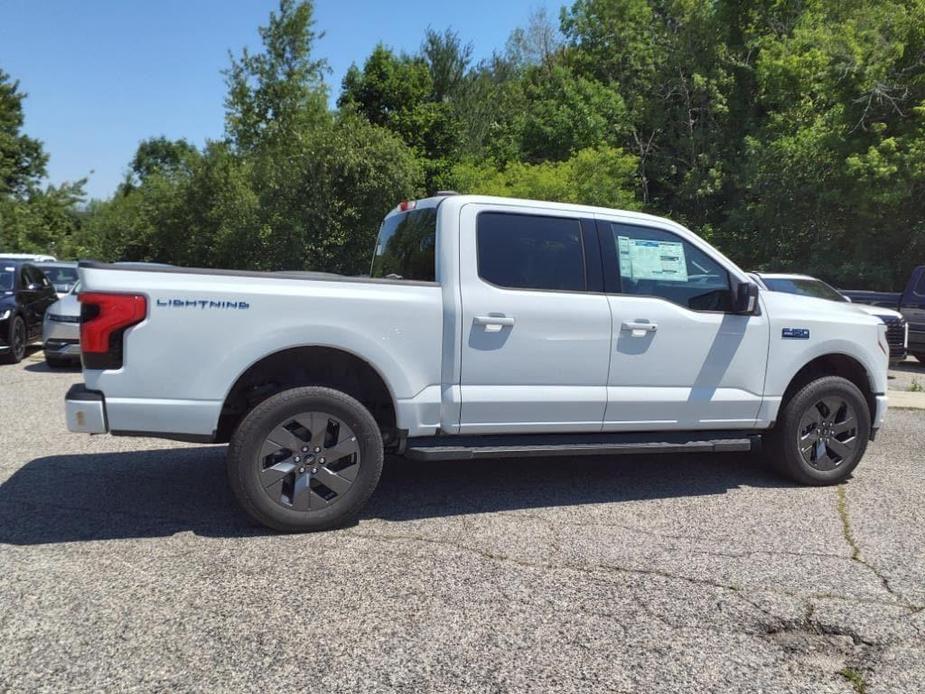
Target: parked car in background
897,332
63,275
910,302
489,327
61,330
25,295
27,257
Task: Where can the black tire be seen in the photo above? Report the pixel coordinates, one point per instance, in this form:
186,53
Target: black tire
248,465
784,448
920,356
17,339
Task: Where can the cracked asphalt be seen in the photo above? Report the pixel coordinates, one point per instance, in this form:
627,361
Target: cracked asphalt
126,566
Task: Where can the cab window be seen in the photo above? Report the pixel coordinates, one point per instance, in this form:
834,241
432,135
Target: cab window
655,262
521,251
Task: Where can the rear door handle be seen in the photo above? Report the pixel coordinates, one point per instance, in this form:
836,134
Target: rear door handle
638,328
494,324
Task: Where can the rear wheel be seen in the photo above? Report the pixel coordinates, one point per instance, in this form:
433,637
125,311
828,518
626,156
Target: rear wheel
920,356
16,340
305,459
822,432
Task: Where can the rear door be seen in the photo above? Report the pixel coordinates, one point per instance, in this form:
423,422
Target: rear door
535,325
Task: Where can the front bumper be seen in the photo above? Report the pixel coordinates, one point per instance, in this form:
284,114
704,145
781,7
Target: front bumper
85,410
879,414
59,329
62,348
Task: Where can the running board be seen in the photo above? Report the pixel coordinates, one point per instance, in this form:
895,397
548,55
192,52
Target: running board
516,446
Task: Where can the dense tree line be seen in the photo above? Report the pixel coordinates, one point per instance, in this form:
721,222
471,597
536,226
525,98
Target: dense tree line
791,133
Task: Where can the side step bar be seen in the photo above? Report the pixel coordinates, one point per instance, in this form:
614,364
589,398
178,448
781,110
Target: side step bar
526,445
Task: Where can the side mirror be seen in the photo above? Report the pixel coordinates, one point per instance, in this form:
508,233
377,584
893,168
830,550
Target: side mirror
745,299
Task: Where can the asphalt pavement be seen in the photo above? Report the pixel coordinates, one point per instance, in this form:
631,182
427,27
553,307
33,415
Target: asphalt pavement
126,565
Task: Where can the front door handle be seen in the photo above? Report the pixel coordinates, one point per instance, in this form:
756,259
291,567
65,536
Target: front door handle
638,328
494,324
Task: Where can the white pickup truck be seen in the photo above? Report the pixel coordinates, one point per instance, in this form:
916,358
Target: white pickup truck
489,327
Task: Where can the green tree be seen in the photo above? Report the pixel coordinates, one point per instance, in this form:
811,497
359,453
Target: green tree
398,92
291,187
276,92
22,159
835,176
158,155
32,219
603,176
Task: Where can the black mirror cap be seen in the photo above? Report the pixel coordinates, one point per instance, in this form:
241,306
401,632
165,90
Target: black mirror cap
745,300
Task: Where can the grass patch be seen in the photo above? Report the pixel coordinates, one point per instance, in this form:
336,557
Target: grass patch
855,678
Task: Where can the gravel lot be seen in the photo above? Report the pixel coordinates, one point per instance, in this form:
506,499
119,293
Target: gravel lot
905,375
126,565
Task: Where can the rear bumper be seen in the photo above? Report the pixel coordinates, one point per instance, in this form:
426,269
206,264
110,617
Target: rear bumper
90,412
85,410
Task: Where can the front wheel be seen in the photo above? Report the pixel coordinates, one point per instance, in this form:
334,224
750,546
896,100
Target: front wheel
822,432
305,459
17,341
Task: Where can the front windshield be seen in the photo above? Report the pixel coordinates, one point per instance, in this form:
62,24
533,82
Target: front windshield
804,287
60,276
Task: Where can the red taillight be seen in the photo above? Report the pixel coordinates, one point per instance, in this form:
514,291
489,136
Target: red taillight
103,319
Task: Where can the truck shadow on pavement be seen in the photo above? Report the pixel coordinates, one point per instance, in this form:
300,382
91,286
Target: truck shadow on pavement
157,493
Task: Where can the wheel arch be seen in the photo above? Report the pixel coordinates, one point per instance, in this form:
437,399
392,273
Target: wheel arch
306,365
833,364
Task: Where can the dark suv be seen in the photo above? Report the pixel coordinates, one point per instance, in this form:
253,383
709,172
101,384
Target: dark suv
25,294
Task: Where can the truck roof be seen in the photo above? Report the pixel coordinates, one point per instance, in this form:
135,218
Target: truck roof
435,200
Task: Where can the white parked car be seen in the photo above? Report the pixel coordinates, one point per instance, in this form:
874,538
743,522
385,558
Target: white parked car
61,330
489,327
28,257
897,333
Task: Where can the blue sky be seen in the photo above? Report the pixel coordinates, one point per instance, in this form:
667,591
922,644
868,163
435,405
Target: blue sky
103,74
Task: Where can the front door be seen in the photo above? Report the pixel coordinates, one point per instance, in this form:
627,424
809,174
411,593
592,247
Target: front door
535,335
680,359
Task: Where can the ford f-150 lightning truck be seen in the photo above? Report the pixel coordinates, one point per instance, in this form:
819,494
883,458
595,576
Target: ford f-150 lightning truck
488,327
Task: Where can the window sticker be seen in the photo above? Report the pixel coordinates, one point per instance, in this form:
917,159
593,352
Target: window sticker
645,259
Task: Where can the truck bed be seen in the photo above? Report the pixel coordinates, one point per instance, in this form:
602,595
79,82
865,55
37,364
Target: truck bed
204,328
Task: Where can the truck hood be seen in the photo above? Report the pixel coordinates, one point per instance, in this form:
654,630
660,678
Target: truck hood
879,311
797,305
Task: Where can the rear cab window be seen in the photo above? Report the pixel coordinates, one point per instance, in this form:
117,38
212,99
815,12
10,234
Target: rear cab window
405,248
522,251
